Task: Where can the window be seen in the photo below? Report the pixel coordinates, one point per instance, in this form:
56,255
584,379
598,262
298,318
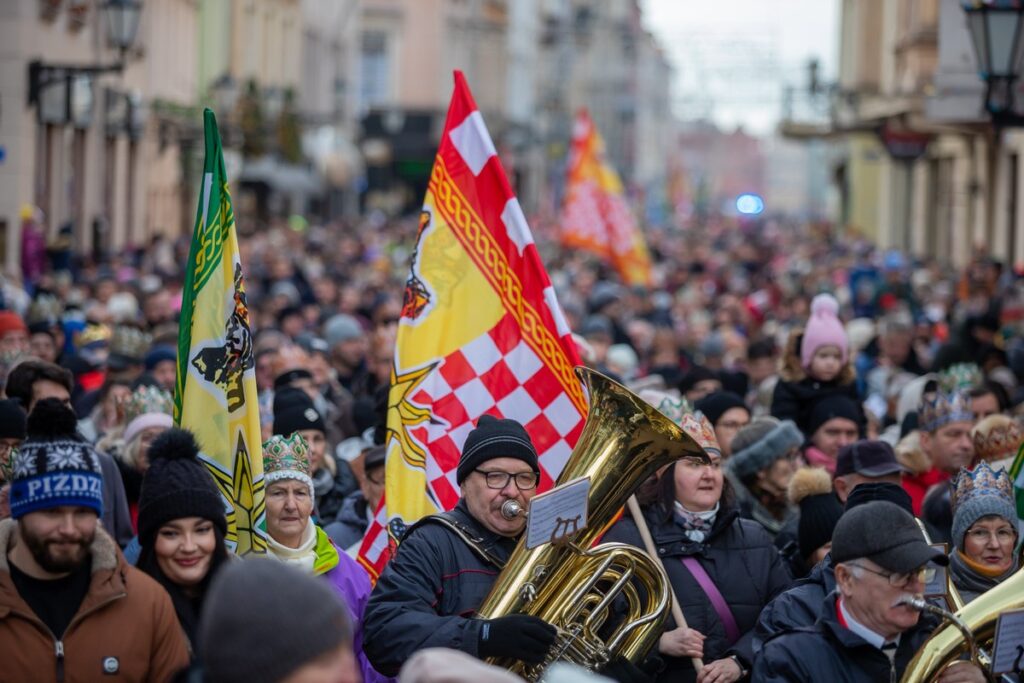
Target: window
375,70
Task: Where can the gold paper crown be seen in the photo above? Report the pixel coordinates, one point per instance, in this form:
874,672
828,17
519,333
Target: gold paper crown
45,308
982,481
1002,440
129,342
283,454
93,333
944,408
146,400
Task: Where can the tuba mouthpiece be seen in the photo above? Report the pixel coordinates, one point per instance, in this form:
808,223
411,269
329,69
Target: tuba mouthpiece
511,509
913,601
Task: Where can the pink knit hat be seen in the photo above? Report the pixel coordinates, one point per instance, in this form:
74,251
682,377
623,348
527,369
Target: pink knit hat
823,329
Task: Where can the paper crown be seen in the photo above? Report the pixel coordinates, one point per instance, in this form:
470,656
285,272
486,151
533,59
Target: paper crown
93,334
45,308
671,406
1002,440
146,400
943,408
960,376
285,455
129,342
982,481
699,428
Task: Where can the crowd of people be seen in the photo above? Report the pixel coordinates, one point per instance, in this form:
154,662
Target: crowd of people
863,408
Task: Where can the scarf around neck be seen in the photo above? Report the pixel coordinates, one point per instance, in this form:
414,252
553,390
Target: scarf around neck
696,525
967,577
303,557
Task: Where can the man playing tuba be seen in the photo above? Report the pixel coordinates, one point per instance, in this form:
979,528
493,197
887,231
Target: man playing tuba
447,563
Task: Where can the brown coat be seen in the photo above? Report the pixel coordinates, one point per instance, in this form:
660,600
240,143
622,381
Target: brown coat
126,623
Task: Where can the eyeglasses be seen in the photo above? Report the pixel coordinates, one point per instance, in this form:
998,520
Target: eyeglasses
1003,535
924,575
525,481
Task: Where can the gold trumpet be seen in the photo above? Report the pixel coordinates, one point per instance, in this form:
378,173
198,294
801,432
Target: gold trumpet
573,586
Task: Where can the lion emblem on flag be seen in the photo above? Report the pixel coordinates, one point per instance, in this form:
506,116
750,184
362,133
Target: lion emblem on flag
225,365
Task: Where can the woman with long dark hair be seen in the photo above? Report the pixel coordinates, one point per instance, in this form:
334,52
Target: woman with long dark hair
181,525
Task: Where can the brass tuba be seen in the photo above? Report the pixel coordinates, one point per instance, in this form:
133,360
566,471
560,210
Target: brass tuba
573,586
947,643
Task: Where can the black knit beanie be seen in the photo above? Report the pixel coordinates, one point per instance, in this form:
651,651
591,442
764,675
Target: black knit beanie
263,619
495,438
831,407
12,419
818,517
177,485
294,411
715,405
879,490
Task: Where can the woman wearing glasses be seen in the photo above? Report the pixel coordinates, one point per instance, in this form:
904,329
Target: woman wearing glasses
723,569
984,530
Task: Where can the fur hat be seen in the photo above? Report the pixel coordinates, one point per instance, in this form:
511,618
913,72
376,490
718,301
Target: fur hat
761,443
823,329
177,485
55,466
820,510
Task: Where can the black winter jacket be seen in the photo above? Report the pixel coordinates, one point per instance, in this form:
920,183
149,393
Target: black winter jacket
428,592
798,607
796,400
739,557
827,651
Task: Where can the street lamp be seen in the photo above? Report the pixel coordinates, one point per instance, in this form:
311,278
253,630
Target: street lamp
64,81
996,28
122,23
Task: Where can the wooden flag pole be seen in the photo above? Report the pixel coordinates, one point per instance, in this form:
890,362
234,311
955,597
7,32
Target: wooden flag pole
645,534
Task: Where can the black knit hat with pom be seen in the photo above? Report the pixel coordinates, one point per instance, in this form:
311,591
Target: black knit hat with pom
177,485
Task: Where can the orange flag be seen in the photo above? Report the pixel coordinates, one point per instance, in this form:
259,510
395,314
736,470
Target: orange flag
595,214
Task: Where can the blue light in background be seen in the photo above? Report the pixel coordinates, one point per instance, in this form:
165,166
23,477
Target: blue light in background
749,204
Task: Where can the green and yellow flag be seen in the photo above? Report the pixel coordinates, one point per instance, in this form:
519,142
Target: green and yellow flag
215,394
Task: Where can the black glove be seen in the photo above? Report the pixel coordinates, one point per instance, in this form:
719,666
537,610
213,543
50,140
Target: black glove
517,636
624,671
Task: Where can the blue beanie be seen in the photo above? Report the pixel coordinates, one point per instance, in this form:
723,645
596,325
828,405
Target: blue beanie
54,466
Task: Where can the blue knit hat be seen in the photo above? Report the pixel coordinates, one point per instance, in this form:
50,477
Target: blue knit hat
54,466
981,493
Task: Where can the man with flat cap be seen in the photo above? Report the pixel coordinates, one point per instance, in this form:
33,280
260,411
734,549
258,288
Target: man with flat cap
447,563
865,632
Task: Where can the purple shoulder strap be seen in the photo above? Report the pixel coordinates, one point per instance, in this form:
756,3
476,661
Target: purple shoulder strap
732,630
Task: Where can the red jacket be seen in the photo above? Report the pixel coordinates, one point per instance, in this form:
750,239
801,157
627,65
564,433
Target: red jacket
918,484
124,630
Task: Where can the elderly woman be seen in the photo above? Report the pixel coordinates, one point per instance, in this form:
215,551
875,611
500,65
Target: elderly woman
723,569
181,525
293,538
763,461
984,530
147,414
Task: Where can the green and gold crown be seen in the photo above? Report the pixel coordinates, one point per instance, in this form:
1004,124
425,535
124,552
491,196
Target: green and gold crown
45,308
287,457
146,400
960,377
129,342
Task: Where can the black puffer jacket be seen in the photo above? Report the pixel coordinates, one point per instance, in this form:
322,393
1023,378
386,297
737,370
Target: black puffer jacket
739,557
796,400
429,591
830,652
798,607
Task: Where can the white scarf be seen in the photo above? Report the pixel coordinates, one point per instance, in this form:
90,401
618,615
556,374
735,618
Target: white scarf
303,557
696,525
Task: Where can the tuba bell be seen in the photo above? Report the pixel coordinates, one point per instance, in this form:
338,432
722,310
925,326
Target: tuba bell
573,586
948,643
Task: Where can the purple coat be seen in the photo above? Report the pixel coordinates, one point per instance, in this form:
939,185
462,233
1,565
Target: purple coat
353,585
